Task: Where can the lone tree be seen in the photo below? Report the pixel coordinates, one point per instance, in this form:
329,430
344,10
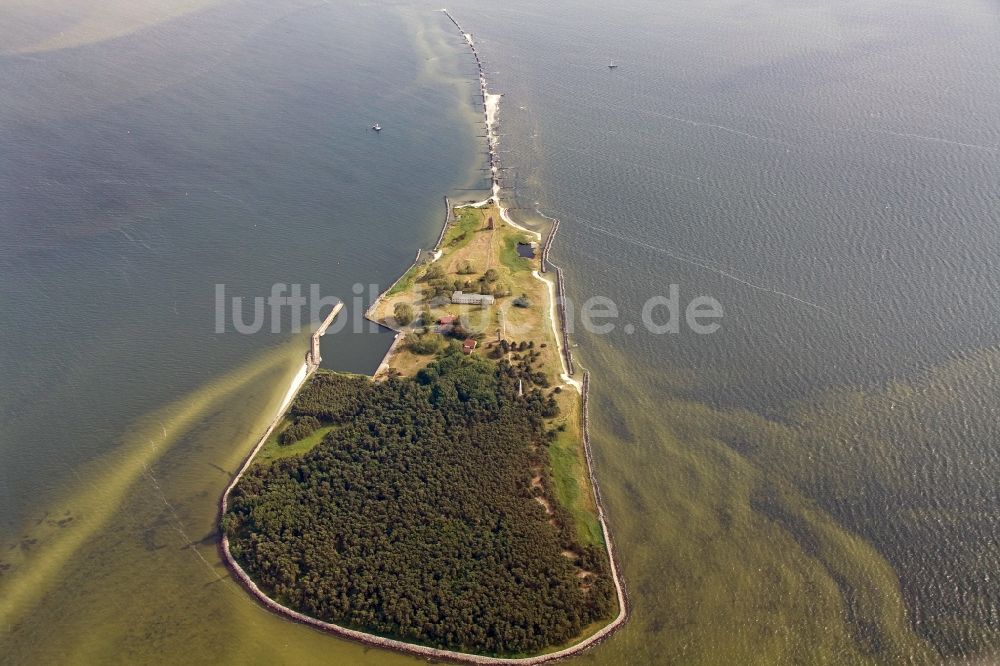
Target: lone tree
424,345
403,313
434,272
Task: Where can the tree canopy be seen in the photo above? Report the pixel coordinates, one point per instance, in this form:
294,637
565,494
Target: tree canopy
419,517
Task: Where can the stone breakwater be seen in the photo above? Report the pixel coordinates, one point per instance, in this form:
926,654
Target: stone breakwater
620,589
546,263
444,227
490,107
564,321
307,369
548,245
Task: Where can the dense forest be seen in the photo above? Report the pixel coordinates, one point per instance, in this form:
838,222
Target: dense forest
420,515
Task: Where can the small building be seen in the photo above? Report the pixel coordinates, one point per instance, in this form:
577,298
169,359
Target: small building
446,324
461,298
468,346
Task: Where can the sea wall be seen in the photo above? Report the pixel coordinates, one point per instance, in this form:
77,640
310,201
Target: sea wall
620,589
383,367
563,320
491,139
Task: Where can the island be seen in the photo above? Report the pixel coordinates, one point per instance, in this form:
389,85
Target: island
445,506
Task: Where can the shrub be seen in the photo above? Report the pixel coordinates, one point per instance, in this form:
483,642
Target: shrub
301,428
403,314
426,344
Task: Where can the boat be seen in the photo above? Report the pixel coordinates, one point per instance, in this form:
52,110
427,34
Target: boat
377,127
612,65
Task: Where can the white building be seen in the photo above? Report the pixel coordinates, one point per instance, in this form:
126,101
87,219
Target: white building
461,298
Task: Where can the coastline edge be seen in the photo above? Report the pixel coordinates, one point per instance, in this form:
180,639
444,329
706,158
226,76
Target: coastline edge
313,363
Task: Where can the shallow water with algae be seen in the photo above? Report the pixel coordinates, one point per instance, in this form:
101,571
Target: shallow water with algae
815,483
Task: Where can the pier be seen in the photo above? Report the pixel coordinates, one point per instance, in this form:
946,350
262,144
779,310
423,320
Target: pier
313,358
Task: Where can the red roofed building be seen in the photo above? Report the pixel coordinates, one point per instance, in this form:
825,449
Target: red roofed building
468,346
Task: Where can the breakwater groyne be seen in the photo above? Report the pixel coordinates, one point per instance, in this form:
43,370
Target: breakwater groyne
548,244
490,112
490,104
564,321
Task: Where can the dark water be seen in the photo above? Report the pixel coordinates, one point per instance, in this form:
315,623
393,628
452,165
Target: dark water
814,483
256,167
229,146
827,172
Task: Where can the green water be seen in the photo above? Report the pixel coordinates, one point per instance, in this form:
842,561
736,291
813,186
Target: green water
814,484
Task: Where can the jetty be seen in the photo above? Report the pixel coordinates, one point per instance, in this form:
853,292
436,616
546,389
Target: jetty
313,358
